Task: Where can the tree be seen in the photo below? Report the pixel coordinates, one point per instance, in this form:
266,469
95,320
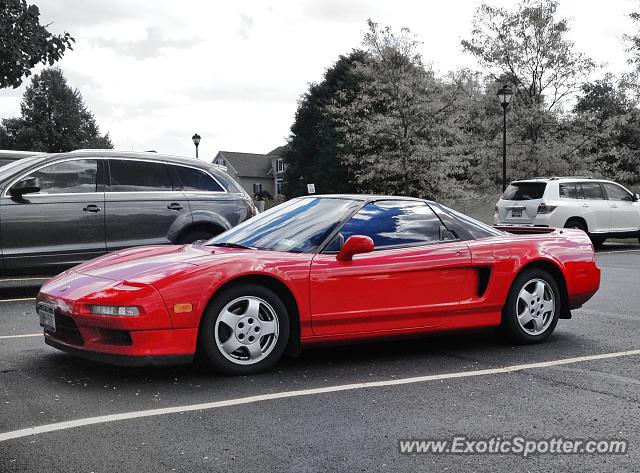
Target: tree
312,153
528,49
612,123
24,42
53,119
397,126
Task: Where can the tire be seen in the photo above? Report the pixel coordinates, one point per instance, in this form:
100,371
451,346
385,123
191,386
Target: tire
597,241
575,223
192,236
244,330
580,225
534,324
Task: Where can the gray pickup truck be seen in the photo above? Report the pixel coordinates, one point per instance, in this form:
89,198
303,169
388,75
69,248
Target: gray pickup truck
57,210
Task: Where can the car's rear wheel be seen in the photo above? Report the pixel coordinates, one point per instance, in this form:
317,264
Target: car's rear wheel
575,223
244,330
597,241
192,236
532,309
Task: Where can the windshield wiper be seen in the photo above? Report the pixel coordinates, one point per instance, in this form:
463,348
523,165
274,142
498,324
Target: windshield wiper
226,244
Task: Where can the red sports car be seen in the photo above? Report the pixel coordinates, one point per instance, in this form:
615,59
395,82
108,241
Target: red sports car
318,269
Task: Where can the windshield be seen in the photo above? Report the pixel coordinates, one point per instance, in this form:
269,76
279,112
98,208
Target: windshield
524,191
300,225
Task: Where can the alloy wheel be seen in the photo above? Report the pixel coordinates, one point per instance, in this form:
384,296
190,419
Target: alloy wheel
246,330
535,306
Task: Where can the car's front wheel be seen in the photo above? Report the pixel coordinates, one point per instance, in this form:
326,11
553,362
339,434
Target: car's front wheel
244,330
532,309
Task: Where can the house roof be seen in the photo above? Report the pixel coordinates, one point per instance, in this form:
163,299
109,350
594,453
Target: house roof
277,152
247,164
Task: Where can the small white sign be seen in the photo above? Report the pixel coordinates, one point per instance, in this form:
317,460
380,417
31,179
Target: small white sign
311,188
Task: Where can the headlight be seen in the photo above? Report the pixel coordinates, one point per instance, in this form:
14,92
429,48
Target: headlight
114,310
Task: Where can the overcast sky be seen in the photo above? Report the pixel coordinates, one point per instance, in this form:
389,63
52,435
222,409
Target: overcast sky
155,72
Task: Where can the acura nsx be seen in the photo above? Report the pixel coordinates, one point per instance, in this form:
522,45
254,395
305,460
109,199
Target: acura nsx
317,269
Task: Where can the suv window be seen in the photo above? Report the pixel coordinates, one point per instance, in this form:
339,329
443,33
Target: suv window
196,180
592,191
392,223
524,191
615,192
138,176
568,191
74,177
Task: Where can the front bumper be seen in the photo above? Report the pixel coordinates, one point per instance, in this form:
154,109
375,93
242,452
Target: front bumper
118,359
148,338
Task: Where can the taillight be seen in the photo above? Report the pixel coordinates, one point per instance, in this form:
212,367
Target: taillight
495,209
545,208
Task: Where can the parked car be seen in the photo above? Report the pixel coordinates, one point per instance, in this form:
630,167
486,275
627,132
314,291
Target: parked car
603,209
317,269
57,210
9,156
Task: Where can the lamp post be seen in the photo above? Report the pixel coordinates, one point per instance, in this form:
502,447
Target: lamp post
196,141
504,96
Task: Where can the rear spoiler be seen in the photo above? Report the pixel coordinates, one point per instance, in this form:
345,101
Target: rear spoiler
524,229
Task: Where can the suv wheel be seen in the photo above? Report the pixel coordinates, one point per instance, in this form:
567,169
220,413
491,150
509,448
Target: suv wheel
192,236
575,223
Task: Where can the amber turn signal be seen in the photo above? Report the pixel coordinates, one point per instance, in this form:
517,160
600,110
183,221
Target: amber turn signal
182,308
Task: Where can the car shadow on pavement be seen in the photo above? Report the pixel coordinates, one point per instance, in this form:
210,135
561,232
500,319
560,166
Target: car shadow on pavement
406,357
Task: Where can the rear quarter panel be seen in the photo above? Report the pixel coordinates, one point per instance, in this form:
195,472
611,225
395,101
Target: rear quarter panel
569,250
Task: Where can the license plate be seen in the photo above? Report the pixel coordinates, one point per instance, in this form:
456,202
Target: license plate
47,315
516,213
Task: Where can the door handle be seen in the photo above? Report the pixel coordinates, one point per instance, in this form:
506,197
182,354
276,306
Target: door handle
174,206
92,208
585,206
614,206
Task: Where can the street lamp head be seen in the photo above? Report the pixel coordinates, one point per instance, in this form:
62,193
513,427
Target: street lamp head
196,139
504,95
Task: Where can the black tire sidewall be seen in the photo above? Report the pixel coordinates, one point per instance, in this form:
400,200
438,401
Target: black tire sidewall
575,223
207,348
192,236
510,326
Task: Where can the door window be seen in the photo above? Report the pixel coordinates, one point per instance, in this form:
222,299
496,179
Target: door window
393,223
592,191
68,177
138,176
568,191
615,192
196,180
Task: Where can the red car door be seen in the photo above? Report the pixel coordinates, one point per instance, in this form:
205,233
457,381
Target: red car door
413,279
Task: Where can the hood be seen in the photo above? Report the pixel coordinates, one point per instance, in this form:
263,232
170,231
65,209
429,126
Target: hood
151,263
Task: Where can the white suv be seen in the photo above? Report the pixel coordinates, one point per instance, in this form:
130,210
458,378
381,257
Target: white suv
601,208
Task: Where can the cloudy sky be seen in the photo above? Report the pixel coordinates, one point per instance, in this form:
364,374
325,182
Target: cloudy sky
155,72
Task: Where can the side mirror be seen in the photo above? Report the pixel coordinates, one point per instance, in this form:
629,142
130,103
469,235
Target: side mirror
355,245
28,185
636,197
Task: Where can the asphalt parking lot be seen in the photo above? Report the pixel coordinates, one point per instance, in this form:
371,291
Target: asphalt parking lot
311,414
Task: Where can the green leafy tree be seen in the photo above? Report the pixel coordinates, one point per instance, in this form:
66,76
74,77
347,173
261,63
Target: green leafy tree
397,129
312,154
54,118
528,48
24,42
